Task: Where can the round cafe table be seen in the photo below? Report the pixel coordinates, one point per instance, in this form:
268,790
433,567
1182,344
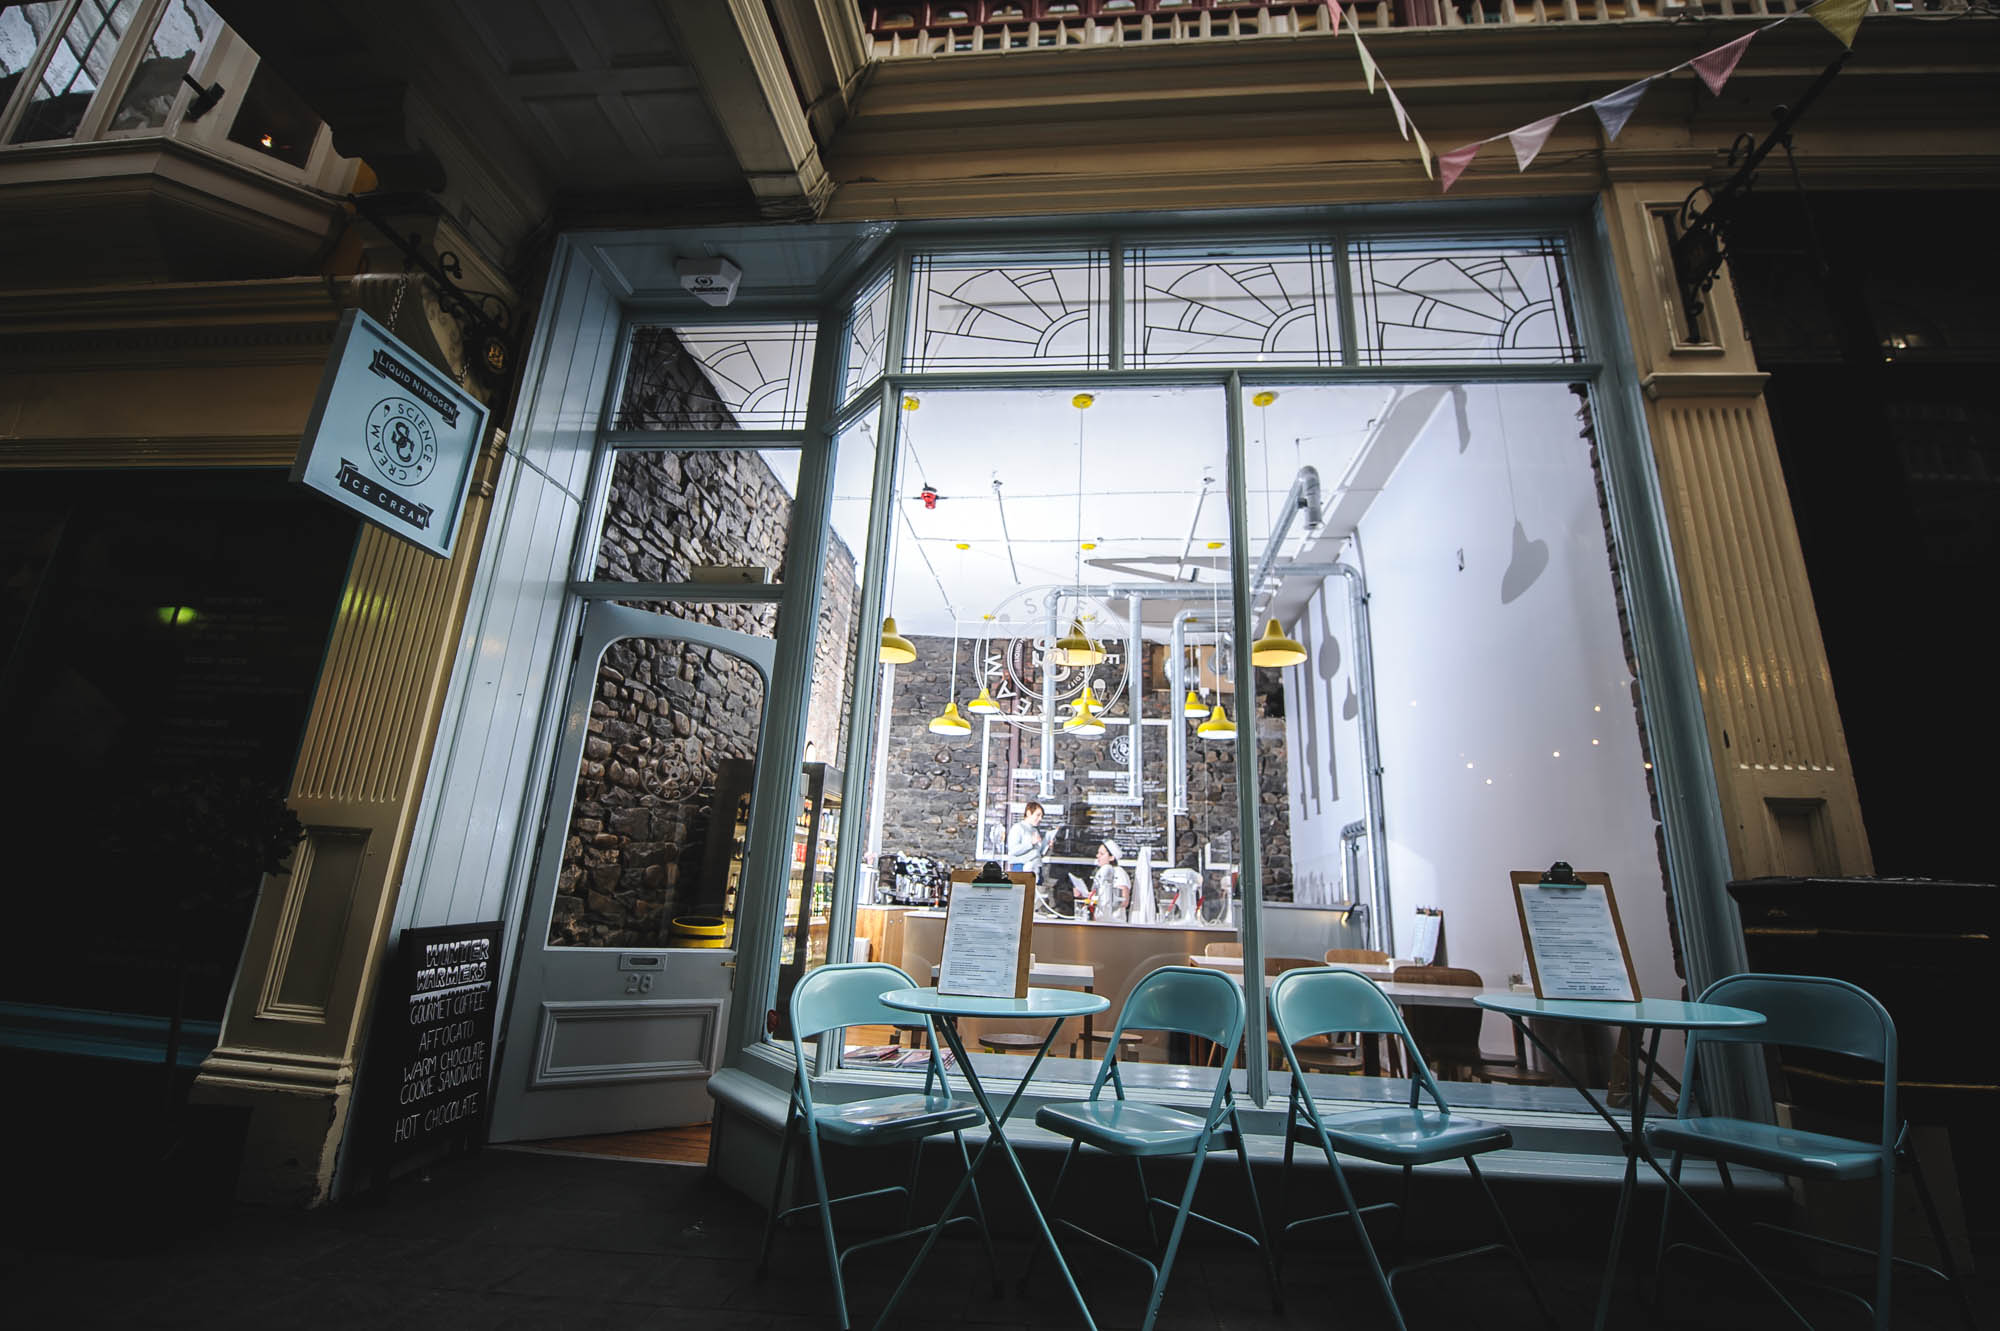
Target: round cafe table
1632,1018
1052,1005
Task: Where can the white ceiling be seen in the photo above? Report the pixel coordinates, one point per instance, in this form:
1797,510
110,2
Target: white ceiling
1145,454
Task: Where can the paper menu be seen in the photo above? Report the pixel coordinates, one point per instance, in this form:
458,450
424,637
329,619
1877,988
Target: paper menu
1574,938
986,938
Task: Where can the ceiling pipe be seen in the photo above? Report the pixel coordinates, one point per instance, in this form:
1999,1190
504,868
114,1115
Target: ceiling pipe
1194,524
1006,539
1304,494
1135,678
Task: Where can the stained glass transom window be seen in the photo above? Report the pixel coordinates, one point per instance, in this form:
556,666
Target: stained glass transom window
867,339
1506,304
717,377
1050,312
1191,308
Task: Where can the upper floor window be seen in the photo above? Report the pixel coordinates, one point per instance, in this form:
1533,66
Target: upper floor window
74,71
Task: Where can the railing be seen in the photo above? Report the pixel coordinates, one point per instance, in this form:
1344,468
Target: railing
919,29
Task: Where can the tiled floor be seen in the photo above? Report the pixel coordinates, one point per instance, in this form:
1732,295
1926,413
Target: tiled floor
513,1239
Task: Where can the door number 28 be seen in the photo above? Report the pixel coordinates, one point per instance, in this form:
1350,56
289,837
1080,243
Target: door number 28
638,984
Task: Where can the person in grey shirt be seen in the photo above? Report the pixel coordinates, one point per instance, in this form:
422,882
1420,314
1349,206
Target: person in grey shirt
1027,843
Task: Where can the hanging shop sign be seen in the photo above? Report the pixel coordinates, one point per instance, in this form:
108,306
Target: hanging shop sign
391,436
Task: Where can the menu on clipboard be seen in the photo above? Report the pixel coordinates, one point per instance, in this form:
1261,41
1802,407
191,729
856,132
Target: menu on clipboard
1574,938
986,932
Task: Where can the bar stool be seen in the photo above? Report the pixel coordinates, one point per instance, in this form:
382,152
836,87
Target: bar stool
1010,1042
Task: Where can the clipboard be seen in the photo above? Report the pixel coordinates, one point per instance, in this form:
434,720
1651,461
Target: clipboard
1531,880
965,882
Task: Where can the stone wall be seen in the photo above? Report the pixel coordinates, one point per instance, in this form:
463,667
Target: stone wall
930,797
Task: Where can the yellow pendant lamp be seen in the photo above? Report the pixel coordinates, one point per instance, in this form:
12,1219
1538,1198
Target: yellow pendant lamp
949,722
983,705
1192,707
896,649
1089,718
1275,649
1218,726
1076,649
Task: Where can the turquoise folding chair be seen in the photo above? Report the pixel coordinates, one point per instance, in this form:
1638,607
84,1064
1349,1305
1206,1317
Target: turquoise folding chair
827,999
1833,1016
1307,1003
1185,1000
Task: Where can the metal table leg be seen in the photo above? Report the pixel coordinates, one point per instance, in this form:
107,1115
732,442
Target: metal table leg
996,1136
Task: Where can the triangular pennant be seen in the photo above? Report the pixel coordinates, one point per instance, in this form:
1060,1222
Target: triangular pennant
1614,109
1335,6
1842,18
1396,105
1715,67
1367,61
1452,165
1528,139
1424,150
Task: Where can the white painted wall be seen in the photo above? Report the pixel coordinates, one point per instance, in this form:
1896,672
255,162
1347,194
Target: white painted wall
1323,747
1485,679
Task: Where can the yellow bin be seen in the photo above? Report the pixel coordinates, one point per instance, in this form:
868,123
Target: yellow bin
699,931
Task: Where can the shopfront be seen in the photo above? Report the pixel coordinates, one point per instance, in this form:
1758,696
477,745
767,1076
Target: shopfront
1082,472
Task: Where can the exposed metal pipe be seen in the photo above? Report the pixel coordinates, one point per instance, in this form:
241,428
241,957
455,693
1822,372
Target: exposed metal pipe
1381,928
1135,669
1304,494
1194,525
1048,782
1350,858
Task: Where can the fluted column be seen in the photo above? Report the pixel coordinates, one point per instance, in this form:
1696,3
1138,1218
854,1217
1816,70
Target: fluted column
1774,729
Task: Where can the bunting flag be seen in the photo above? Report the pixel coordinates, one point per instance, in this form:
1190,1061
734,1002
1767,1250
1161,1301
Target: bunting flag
1714,67
1842,18
1396,105
1452,165
1528,139
1614,109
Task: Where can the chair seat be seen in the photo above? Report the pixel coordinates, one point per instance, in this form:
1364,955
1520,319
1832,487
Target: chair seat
894,1118
1008,1042
1125,1127
1766,1146
1405,1136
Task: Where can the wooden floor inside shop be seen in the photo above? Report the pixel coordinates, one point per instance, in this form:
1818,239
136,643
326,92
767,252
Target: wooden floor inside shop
674,1146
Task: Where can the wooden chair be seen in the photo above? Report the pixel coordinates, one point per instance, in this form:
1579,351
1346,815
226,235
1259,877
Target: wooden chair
1449,1036
1223,950
1356,956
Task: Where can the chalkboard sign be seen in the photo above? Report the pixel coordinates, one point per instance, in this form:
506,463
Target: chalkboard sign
432,1050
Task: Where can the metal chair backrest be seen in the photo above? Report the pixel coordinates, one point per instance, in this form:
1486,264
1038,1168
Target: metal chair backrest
1324,999
1805,1012
849,994
1182,1000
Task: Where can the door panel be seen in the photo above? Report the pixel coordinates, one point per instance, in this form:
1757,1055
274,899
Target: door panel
616,1022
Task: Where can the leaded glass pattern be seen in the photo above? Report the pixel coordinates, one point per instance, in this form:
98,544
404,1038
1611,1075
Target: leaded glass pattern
1049,312
1504,304
717,377
1275,307
867,344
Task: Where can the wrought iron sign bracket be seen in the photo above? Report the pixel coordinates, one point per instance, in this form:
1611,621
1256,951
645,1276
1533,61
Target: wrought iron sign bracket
487,318
1701,239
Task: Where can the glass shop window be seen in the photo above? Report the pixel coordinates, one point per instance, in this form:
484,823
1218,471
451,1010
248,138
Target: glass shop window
274,120
1507,302
183,28
1452,697
1049,632
699,515
717,377
976,313
75,68
866,348
1234,307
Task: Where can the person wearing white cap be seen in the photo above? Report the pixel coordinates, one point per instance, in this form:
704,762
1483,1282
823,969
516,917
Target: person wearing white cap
1110,886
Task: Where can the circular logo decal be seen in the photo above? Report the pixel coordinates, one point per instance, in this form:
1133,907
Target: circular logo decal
400,440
